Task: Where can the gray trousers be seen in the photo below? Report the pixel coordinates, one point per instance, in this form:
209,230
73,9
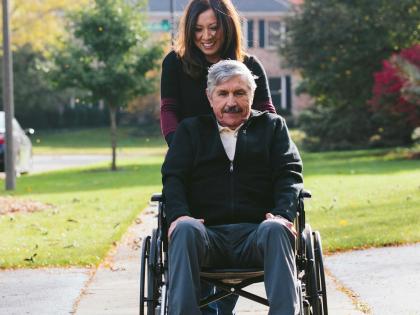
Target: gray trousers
245,245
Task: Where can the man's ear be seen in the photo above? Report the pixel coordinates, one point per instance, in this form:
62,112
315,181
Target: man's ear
208,96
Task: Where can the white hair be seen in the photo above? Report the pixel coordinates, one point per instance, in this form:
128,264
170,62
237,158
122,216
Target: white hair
225,70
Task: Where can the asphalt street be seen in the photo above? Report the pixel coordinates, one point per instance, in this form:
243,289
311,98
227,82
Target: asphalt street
45,163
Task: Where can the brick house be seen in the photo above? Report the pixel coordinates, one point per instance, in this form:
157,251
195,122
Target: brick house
264,29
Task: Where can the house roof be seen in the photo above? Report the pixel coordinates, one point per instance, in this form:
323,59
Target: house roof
241,5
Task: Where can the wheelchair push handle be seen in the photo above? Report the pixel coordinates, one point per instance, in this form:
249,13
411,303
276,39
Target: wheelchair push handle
157,197
305,194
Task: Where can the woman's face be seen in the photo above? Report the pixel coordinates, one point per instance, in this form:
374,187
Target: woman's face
208,35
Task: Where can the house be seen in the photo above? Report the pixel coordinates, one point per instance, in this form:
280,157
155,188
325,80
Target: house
264,29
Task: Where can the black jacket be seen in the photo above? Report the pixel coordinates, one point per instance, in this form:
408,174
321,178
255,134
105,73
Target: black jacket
200,181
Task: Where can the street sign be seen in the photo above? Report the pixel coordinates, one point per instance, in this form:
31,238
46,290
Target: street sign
163,26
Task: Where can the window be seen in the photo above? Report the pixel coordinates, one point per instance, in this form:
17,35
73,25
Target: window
281,93
275,90
250,33
273,33
261,26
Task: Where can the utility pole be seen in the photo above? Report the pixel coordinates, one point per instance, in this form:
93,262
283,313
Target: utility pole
171,9
8,102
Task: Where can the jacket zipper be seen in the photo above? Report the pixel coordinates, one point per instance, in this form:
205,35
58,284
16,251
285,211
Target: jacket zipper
232,204
232,190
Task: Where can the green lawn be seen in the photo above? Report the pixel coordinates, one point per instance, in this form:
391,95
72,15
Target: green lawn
92,208
360,198
363,198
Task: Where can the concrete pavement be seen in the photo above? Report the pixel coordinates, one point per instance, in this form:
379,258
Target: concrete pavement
40,291
386,279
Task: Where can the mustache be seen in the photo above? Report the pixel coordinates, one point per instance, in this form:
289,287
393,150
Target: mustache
232,109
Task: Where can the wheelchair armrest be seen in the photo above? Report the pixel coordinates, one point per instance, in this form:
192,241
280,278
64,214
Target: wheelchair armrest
305,194
156,197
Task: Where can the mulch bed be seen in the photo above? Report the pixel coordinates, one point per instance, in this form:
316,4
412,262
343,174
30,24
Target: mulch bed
9,205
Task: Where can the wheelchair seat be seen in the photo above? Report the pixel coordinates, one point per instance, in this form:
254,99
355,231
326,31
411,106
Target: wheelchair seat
231,276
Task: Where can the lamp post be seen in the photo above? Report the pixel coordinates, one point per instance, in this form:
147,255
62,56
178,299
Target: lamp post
8,102
171,9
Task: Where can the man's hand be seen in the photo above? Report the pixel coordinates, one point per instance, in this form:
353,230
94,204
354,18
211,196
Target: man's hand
283,221
183,218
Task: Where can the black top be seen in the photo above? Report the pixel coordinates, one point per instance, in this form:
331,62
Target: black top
265,175
183,97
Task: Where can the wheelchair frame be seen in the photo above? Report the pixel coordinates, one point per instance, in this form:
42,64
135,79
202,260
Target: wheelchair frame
309,264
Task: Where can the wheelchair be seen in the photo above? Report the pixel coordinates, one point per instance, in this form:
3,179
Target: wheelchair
312,292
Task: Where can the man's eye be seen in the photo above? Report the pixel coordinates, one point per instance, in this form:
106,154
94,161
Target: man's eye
240,93
222,93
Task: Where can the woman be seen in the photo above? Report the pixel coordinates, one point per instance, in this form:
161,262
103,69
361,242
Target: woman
210,30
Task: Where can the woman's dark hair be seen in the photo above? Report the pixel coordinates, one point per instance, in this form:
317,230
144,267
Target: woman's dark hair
229,22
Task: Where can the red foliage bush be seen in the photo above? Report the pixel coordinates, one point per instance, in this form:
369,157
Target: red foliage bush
393,95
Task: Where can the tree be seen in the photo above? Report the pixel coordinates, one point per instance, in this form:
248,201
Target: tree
40,23
109,57
339,44
34,94
396,96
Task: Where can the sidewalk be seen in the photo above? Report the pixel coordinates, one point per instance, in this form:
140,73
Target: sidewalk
114,289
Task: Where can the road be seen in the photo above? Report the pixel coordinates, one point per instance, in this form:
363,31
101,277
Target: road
44,163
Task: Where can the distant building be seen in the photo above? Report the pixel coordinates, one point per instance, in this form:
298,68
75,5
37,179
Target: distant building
264,29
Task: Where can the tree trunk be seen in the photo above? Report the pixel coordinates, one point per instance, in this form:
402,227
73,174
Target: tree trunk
113,116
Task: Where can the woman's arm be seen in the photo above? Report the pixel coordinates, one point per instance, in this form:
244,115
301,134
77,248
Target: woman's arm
169,96
262,96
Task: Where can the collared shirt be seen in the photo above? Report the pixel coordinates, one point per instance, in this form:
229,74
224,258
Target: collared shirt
229,137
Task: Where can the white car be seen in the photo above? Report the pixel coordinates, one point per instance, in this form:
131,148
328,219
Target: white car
22,146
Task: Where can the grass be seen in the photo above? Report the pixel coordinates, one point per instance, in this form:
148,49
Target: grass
363,198
92,208
360,199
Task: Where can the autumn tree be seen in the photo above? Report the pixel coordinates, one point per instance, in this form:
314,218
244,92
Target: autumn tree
109,57
40,23
338,45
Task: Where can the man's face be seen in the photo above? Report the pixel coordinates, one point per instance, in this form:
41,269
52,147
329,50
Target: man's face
231,102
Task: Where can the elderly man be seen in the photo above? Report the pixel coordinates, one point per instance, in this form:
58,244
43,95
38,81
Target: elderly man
231,182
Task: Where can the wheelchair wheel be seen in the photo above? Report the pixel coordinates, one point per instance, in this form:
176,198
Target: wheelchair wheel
152,276
300,298
144,266
311,288
319,265
149,294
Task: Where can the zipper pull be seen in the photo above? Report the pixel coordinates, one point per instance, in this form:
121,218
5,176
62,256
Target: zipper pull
231,167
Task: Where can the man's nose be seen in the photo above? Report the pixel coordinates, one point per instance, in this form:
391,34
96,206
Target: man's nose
231,101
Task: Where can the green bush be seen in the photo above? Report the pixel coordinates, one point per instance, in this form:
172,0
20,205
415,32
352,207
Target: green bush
335,128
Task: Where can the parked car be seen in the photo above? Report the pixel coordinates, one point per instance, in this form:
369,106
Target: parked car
22,146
